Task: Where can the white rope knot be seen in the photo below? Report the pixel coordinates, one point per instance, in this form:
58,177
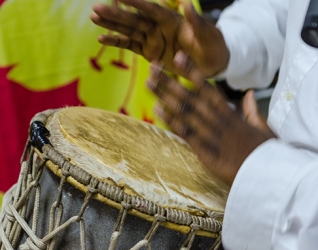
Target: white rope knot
65,172
125,205
195,227
33,183
160,217
92,190
30,245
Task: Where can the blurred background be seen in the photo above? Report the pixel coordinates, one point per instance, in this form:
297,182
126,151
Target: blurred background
50,58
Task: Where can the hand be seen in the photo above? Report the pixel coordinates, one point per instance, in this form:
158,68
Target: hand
158,33
219,136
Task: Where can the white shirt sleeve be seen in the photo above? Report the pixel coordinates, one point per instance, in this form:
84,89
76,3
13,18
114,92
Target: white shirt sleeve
282,211
254,31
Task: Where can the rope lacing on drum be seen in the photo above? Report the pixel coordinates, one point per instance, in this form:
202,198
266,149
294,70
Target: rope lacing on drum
146,241
13,228
179,217
56,212
33,242
217,242
118,228
91,188
145,206
28,181
188,242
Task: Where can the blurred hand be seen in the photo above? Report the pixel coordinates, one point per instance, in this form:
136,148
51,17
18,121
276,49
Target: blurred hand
158,33
219,136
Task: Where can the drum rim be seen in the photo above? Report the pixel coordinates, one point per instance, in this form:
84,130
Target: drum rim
113,195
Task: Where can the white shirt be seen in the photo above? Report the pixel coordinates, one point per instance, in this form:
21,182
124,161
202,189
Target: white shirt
273,203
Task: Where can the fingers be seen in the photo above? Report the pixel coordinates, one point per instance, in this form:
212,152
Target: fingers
127,31
193,18
121,41
136,32
163,86
205,97
126,18
195,109
187,68
155,11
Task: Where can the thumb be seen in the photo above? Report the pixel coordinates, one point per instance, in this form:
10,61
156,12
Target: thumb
252,116
193,18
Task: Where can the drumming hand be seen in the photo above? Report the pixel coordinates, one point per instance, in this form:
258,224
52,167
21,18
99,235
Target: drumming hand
218,135
157,33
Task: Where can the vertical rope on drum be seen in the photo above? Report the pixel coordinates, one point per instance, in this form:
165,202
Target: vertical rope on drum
31,182
19,190
16,229
153,229
217,243
82,235
36,208
26,150
91,188
8,219
54,222
188,242
29,185
4,242
57,206
118,228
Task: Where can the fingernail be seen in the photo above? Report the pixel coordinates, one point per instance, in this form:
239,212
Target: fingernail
180,59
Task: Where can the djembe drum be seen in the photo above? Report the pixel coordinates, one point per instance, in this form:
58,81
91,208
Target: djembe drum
92,179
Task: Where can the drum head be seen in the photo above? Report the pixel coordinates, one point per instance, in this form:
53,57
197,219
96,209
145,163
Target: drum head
139,157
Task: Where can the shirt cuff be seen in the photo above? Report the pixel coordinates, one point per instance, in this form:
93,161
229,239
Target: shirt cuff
244,48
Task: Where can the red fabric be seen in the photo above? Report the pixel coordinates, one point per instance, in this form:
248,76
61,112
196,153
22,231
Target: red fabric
17,107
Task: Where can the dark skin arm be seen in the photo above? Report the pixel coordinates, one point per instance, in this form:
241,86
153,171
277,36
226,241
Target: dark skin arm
157,33
218,135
